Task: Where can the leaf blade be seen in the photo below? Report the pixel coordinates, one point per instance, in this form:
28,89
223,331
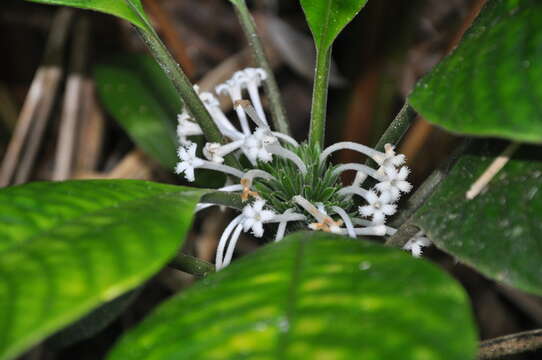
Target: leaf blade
491,84
119,8
497,231
309,295
78,244
327,18
127,94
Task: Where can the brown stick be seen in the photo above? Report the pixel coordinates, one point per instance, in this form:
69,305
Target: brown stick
135,165
91,131
171,37
72,103
38,103
8,108
510,345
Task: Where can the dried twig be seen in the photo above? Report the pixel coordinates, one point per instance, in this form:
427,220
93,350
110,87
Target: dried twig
91,131
8,109
135,165
38,105
493,169
510,345
72,103
171,36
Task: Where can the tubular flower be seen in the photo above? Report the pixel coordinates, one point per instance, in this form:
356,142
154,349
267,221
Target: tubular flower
289,184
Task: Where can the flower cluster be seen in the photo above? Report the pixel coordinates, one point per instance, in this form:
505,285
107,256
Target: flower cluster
289,184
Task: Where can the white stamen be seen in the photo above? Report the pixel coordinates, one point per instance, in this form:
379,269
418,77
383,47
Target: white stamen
361,169
357,221
348,145
253,78
223,239
286,138
354,191
231,246
346,219
215,152
310,208
290,155
233,89
222,168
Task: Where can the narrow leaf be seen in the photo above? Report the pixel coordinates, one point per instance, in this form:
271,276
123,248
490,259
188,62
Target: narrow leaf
66,248
127,92
492,83
118,8
327,18
312,296
497,232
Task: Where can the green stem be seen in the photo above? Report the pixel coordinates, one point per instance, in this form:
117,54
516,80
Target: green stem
192,265
319,97
398,127
180,81
231,200
278,111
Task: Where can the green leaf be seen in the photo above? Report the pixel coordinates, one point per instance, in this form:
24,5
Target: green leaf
327,18
497,232
118,8
68,247
92,323
136,93
312,296
492,83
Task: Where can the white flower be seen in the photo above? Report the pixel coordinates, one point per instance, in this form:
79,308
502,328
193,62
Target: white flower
186,128
395,182
254,216
389,160
188,162
416,244
254,145
379,206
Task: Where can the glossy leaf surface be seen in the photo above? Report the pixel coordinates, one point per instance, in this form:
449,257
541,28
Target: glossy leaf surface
492,83
312,296
327,18
498,232
66,248
118,8
136,93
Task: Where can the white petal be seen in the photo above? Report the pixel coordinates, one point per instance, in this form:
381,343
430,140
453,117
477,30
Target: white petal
366,210
371,197
257,229
267,215
404,186
181,167
248,223
189,174
258,205
389,209
378,217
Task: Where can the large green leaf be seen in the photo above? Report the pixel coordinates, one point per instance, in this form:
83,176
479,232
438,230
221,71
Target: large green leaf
118,8
66,248
492,84
312,296
136,93
498,232
327,18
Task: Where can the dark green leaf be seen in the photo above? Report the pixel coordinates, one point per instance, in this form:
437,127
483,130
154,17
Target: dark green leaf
129,95
92,323
66,248
498,232
492,84
118,8
327,18
312,296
